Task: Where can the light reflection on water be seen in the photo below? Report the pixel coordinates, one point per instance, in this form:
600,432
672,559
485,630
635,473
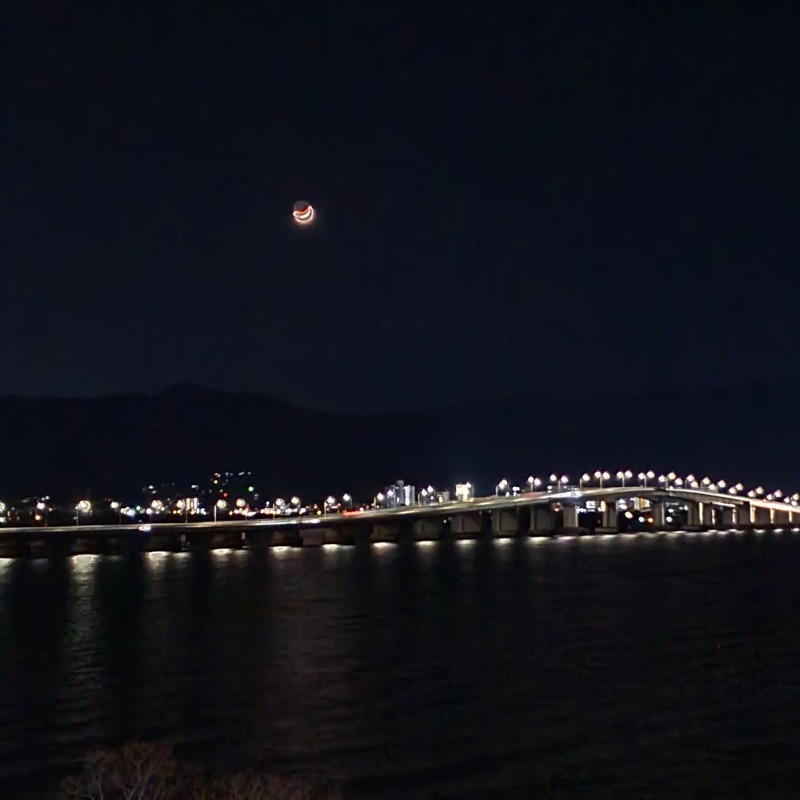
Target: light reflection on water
640,665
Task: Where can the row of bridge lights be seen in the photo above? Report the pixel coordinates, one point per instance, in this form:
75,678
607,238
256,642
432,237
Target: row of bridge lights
668,481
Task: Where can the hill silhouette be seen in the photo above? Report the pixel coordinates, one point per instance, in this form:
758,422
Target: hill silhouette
116,444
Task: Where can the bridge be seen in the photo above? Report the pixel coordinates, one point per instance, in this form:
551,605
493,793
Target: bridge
554,512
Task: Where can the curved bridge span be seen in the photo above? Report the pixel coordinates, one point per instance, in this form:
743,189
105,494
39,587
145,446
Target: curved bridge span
567,510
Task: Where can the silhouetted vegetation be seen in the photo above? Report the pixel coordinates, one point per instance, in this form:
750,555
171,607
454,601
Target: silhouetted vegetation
142,771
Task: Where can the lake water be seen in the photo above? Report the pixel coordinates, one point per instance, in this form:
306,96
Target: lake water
660,666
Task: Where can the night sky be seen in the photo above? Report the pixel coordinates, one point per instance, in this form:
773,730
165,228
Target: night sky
509,199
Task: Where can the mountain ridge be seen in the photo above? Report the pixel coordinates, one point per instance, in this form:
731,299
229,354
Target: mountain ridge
116,443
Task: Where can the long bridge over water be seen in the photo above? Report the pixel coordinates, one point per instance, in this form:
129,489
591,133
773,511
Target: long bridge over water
571,511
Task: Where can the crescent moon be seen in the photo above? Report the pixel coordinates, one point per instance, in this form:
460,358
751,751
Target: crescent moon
304,216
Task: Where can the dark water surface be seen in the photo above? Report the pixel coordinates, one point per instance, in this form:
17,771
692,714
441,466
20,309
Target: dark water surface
660,666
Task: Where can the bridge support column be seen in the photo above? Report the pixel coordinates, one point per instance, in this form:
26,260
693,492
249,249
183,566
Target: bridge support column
744,516
659,513
315,537
780,517
385,532
569,521
706,515
693,516
427,529
726,517
543,520
467,525
762,517
610,521
282,537
505,522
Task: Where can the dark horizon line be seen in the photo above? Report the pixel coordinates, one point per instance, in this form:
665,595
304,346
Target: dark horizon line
618,391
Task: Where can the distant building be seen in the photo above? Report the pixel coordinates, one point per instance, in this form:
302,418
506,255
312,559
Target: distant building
464,492
400,494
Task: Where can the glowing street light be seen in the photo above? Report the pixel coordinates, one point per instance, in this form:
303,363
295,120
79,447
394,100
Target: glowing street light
534,483
601,476
220,505
42,507
502,487
623,476
585,478
114,505
82,507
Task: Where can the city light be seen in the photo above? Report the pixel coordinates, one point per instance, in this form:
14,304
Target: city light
231,496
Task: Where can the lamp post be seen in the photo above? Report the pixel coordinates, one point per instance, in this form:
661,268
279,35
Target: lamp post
220,505
83,507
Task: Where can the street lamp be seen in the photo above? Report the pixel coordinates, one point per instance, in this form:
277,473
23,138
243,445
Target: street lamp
220,505
347,500
501,487
585,478
646,476
601,476
115,506
83,507
623,476
42,506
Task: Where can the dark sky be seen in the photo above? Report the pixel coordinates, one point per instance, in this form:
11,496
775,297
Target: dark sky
509,199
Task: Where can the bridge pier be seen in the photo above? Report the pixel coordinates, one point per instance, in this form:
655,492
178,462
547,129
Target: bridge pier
780,517
543,520
762,517
385,532
284,537
428,528
727,517
744,515
505,522
610,517
569,519
316,537
467,525
693,518
659,513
